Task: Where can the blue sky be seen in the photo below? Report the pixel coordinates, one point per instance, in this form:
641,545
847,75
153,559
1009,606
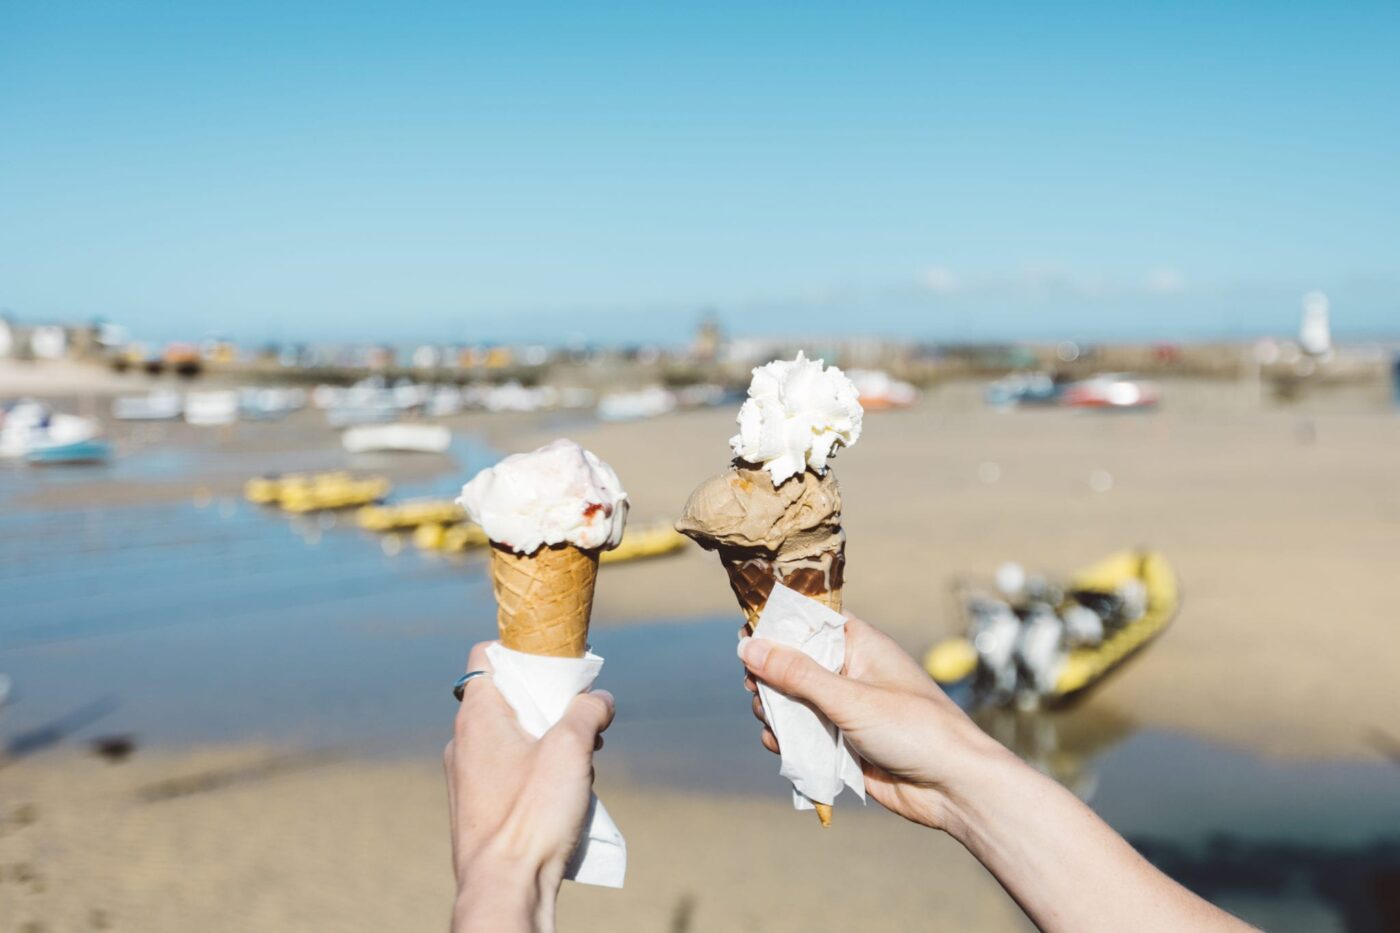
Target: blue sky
464,172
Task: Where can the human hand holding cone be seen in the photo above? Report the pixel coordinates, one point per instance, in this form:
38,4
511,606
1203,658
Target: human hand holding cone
775,515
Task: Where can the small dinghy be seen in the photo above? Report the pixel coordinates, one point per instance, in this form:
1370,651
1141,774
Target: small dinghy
158,406
398,438
211,409
90,451
28,425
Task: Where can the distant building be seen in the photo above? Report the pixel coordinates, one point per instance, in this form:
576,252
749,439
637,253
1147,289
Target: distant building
1315,333
709,339
426,357
48,342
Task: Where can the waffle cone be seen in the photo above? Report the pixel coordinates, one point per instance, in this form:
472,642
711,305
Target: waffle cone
752,578
544,599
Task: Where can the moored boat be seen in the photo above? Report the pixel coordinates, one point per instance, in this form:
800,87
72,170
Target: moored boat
267,490
339,494
411,514
644,542
93,450
27,425
879,391
211,409
399,438
1112,392
1056,643
157,406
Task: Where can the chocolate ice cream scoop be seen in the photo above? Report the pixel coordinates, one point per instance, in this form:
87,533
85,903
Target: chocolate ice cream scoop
764,534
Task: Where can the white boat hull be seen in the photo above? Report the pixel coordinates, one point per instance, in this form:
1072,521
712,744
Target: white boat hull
17,440
411,438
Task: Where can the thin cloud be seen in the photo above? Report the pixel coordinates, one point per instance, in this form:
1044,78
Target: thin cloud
940,280
1165,281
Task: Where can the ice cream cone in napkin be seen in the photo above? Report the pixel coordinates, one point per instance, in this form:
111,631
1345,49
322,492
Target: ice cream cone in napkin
544,599
752,578
775,515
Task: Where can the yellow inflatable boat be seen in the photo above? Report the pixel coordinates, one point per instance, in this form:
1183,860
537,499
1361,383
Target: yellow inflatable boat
637,543
338,494
267,490
648,541
404,515
956,659
452,538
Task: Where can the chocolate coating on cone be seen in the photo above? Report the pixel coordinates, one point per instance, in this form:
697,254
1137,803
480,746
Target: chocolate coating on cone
544,600
752,576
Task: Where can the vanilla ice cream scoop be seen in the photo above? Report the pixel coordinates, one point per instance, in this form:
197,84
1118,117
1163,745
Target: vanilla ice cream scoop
796,416
559,494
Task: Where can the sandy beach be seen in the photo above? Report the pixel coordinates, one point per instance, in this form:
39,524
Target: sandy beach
1282,523
363,846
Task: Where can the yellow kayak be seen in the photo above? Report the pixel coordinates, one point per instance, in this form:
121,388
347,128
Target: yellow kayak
637,544
412,514
341,494
267,490
641,543
452,538
954,659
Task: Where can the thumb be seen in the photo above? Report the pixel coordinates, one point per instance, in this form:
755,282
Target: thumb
588,714
794,674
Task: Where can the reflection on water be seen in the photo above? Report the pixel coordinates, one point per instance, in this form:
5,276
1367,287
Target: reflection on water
1290,886
1067,746
182,623
1303,846
52,732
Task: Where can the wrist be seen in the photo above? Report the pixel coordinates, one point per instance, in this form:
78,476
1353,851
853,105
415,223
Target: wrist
982,767
496,895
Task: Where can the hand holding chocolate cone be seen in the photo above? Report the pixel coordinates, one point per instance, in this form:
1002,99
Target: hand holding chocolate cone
775,514
548,514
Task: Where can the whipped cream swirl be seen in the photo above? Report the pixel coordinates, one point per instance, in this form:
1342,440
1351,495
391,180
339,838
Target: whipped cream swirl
797,414
559,494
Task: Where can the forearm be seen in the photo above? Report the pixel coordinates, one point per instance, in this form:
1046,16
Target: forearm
504,901
1066,868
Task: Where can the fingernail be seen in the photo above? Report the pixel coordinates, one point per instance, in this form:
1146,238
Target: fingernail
753,651
606,697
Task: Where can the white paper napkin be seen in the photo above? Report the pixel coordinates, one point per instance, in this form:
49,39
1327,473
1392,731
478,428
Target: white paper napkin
539,690
815,757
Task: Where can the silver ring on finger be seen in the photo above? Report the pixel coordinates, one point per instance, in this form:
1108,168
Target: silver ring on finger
460,686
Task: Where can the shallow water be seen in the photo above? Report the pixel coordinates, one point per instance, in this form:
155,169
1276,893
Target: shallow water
187,624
